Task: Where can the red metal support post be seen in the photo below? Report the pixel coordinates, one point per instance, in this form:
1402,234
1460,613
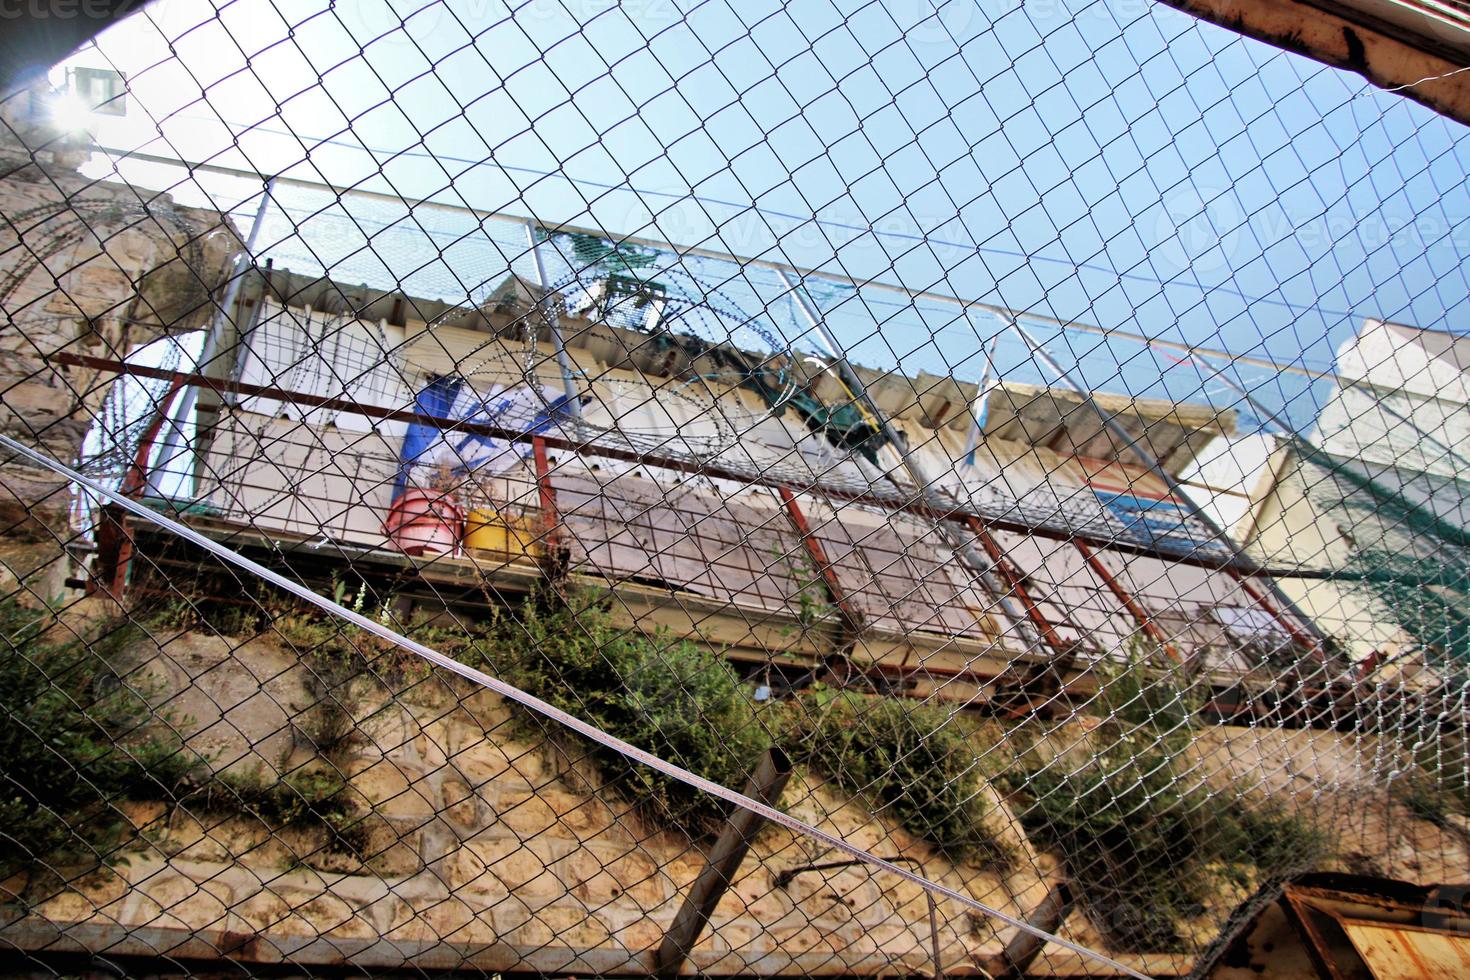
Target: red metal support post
114,537
1297,636
818,556
1014,582
1129,603
550,519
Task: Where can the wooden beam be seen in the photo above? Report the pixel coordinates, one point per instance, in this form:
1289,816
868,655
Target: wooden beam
725,857
1016,959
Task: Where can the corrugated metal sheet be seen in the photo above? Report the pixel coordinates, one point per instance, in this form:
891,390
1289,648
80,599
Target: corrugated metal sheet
627,525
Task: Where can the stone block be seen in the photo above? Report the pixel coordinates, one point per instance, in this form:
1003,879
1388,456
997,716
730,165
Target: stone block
395,788
462,808
523,869
602,876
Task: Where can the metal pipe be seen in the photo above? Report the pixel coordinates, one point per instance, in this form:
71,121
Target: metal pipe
980,407
547,305
224,313
1023,949
1139,614
546,494
1013,579
852,622
943,510
1176,489
765,784
922,484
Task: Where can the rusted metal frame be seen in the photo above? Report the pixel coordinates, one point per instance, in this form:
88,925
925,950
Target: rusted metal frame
1419,64
115,537
1013,579
1299,914
1298,637
1129,603
765,784
852,621
1239,559
910,505
546,493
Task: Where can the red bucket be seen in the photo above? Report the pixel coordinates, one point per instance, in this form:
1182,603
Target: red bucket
425,522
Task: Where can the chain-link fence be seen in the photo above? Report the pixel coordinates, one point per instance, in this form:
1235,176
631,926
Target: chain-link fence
628,489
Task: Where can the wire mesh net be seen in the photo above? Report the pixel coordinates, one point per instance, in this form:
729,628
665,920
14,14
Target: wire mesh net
626,489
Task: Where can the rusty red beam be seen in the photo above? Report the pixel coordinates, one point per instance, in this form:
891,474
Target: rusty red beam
590,447
115,537
550,518
1139,614
818,556
1297,636
1018,588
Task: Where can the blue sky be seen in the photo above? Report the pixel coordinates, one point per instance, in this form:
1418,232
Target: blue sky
1114,162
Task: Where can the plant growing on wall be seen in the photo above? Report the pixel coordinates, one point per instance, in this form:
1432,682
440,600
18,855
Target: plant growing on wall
913,761
1145,842
671,697
78,737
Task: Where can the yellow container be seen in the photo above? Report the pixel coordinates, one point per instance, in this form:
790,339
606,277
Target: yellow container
510,537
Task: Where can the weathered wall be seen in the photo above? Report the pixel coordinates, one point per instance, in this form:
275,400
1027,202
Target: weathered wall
86,267
483,848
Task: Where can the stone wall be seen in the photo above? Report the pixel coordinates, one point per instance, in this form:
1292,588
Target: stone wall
481,847
86,267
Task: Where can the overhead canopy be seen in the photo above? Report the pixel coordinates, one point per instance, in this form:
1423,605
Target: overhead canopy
1055,418
1411,45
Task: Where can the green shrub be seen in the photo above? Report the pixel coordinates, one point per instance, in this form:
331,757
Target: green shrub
1146,844
76,739
915,762
313,795
669,697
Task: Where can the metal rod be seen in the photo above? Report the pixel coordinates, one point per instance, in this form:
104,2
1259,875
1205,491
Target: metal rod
765,785
1023,948
115,543
546,494
1176,489
923,486
980,407
682,251
223,314
934,936
1003,566
1144,620
936,509
546,303
818,556
1285,622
